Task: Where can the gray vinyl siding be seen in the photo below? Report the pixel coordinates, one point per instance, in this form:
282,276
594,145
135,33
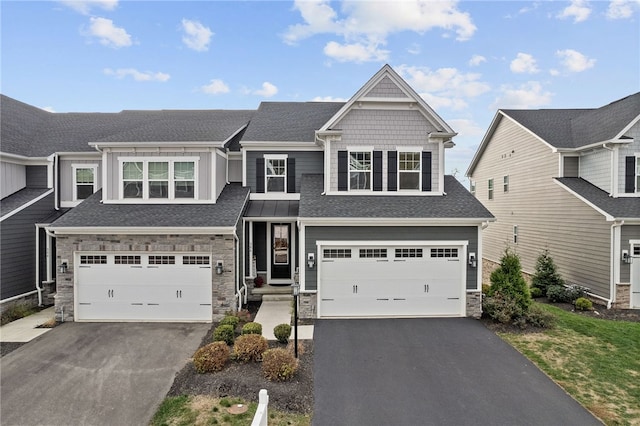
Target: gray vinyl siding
67,179
595,167
307,162
17,248
235,170
629,150
547,216
384,130
628,232
204,170
13,177
391,233
571,166
37,177
221,174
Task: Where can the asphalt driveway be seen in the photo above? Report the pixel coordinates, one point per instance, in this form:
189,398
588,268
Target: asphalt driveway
95,373
430,372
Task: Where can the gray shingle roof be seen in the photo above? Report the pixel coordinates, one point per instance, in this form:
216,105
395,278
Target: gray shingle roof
457,204
290,121
574,128
92,213
623,208
20,198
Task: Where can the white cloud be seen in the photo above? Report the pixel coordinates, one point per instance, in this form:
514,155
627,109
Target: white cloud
365,25
524,63
526,96
328,99
466,127
215,87
108,34
622,9
85,6
477,60
579,10
197,36
267,90
414,49
574,61
137,75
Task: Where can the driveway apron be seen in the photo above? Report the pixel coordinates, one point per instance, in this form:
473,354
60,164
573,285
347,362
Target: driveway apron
440,371
95,373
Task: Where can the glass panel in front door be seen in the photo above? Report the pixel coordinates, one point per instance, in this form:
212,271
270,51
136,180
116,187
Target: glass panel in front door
281,244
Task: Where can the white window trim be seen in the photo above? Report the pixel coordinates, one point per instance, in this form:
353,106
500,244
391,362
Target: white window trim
636,177
505,183
363,149
515,234
419,171
74,183
145,179
491,188
268,157
472,186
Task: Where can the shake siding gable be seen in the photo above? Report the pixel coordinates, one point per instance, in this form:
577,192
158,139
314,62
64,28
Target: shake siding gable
547,216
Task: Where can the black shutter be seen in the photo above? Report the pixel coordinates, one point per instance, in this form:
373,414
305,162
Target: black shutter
630,174
259,174
291,175
426,171
377,170
392,171
343,171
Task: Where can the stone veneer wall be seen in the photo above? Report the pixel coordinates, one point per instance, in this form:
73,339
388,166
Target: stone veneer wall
623,296
474,304
221,247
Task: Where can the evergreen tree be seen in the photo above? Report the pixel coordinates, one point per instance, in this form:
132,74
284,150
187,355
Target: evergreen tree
546,273
508,282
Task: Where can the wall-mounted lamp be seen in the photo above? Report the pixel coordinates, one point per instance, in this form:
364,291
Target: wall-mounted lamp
219,267
311,259
625,256
472,260
63,267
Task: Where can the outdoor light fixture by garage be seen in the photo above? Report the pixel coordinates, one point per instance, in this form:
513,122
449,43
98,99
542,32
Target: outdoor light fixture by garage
219,267
311,260
63,267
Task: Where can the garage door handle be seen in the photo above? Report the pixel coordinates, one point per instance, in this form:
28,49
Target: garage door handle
426,288
355,288
179,294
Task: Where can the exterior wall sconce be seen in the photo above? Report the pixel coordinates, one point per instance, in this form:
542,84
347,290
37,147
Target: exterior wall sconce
472,260
219,267
63,267
625,256
311,260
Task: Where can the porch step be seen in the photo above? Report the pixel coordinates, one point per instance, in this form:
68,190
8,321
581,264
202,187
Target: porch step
272,289
277,297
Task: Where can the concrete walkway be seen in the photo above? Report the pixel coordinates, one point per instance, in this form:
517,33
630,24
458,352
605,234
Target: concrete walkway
25,329
274,312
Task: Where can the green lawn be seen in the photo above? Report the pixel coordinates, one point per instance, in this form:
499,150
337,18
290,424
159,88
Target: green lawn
596,361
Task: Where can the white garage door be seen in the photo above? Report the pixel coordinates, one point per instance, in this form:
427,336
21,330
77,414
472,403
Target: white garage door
143,287
366,281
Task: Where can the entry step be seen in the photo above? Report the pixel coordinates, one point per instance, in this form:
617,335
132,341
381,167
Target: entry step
276,297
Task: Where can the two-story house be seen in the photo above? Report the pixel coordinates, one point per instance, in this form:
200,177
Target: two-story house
567,180
178,211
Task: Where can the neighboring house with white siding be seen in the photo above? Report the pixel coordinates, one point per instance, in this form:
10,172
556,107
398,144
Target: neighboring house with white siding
573,188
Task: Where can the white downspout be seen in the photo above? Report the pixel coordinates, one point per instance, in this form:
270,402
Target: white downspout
56,190
239,290
615,255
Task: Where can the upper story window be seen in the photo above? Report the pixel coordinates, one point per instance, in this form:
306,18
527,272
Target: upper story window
505,183
84,181
158,178
409,170
638,174
490,189
360,170
472,187
276,174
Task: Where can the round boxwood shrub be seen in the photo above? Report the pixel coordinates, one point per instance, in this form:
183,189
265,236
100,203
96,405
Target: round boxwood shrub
224,333
557,294
584,304
252,328
230,320
282,332
211,357
249,347
536,292
279,365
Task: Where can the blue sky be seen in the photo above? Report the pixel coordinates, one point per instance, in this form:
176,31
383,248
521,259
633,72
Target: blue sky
466,59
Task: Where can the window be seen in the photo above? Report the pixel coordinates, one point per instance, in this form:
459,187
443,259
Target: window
84,183
336,253
472,187
151,178
162,260
409,252
127,260
195,260
515,234
490,189
93,260
409,170
276,174
360,170
444,252
638,174
505,183
373,253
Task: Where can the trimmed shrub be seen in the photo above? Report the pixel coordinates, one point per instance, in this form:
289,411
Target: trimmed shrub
583,304
546,273
211,358
508,281
224,333
249,347
252,328
536,292
282,332
279,365
485,288
230,320
562,294
502,308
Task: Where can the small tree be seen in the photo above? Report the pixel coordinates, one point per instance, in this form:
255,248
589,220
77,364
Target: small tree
508,282
546,273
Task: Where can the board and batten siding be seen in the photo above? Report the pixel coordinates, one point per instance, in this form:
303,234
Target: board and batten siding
235,170
13,177
628,232
595,167
18,248
389,233
307,162
384,130
67,179
548,217
204,170
629,150
221,174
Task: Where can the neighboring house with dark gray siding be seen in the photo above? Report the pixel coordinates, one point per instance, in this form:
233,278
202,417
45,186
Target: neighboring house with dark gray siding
567,181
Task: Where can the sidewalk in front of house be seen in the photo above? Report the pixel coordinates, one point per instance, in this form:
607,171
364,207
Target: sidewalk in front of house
274,312
26,329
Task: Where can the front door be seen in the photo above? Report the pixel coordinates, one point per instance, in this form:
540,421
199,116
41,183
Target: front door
281,250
